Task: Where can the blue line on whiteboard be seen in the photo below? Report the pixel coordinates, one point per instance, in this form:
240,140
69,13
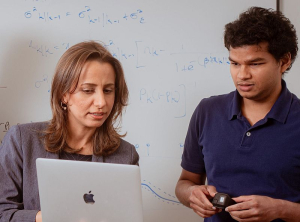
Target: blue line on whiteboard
173,201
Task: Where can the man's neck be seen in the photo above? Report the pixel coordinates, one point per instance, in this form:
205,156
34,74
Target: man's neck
254,111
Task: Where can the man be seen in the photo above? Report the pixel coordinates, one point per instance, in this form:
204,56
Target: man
247,142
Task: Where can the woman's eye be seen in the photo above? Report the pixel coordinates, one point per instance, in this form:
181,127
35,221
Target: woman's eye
88,91
107,91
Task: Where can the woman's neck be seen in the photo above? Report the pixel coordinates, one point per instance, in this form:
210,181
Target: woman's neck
81,139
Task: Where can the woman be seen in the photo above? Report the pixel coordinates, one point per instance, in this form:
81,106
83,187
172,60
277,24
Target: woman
88,95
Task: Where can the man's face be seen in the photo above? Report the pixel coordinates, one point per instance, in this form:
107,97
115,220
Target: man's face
255,72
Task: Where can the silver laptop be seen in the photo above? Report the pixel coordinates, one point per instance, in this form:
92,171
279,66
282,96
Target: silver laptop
77,191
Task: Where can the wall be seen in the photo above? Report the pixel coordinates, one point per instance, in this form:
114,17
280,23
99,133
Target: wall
173,56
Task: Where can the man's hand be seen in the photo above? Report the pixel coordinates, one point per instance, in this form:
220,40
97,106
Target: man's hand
254,208
38,217
199,200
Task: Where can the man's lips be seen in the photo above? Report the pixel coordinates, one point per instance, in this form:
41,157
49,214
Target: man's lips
245,87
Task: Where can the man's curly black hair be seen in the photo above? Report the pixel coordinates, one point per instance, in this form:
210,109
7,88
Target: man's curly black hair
257,25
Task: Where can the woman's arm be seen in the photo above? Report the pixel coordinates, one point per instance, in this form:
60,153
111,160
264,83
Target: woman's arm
11,182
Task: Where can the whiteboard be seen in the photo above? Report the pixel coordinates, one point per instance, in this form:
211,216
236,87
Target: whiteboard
291,9
173,56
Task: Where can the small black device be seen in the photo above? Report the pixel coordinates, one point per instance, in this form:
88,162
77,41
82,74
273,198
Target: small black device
222,200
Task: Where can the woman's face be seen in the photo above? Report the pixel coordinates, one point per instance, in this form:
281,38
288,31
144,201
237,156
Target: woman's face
92,101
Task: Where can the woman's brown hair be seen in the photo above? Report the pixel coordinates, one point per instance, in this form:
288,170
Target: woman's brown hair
106,138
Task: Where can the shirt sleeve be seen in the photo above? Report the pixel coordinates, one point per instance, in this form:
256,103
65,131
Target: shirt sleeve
11,182
192,158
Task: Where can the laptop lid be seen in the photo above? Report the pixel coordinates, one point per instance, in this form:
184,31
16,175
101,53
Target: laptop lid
78,191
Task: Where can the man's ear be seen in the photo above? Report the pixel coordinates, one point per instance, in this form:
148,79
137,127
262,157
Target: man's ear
285,62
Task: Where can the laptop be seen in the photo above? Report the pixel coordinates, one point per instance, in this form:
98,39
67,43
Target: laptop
78,191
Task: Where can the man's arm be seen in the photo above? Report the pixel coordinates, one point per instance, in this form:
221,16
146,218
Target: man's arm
186,182
290,212
262,208
38,217
192,192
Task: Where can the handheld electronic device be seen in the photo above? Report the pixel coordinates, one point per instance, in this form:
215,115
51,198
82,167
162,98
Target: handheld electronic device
222,200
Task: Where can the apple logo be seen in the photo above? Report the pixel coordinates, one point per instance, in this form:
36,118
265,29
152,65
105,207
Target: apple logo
89,198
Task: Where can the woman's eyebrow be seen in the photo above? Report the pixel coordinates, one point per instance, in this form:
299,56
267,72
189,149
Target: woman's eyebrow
94,85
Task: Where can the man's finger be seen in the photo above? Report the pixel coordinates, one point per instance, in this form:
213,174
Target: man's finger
211,190
199,198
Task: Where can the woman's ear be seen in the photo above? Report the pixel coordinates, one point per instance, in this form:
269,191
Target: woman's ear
65,98
285,62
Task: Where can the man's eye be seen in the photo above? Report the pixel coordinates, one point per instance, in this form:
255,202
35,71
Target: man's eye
234,63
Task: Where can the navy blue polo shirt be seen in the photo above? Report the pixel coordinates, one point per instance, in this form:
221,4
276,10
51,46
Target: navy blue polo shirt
240,159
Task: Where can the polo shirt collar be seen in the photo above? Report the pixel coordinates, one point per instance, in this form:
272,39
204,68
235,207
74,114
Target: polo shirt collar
234,109
279,111
281,107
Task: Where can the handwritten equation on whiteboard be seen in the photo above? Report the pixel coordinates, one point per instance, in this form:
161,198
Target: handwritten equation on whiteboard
175,98
87,14
46,50
43,81
142,53
186,61
4,127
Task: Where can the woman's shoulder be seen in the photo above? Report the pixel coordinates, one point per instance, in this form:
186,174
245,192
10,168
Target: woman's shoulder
26,131
125,145
126,153
24,138
40,126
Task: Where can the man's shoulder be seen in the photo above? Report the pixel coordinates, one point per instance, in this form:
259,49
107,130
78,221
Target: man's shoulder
296,100
216,102
294,111
220,98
